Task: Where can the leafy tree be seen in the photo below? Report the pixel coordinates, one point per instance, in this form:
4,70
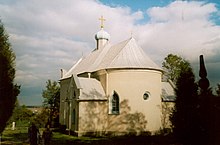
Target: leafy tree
218,90
173,65
8,90
21,113
41,119
52,99
184,118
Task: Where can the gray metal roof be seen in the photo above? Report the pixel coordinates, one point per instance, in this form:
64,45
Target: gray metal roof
126,54
91,89
168,94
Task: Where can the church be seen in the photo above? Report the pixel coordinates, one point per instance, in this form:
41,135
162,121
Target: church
115,90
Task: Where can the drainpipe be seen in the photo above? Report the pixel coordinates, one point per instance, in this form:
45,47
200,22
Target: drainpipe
106,82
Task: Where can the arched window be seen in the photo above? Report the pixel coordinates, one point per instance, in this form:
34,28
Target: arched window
115,103
73,116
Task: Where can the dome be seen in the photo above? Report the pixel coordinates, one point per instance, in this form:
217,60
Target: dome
102,35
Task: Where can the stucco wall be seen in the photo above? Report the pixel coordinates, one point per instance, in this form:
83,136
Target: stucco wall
72,93
131,86
63,94
136,114
92,117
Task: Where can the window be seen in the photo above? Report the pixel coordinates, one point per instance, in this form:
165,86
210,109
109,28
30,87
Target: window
146,95
64,114
74,94
115,103
73,116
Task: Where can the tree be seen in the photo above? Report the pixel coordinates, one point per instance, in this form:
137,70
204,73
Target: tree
218,90
8,90
184,118
206,105
173,65
21,115
52,99
41,119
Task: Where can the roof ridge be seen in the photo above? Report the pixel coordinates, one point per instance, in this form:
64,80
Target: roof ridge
101,56
128,40
68,73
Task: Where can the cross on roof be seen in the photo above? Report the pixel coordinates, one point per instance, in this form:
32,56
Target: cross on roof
102,21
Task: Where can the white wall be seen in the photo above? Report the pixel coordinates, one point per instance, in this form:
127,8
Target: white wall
131,85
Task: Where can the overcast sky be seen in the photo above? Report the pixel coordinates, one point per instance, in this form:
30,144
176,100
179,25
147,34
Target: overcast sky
47,35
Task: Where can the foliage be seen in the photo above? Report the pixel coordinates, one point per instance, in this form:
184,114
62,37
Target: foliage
41,119
8,90
23,117
184,118
51,97
21,114
206,114
218,90
173,65
167,109
51,94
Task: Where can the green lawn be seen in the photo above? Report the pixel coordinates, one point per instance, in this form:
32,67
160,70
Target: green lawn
20,137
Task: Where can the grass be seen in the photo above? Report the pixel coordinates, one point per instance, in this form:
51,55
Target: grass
59,138
20,137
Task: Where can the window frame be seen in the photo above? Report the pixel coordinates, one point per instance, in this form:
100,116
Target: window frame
146,93
114,106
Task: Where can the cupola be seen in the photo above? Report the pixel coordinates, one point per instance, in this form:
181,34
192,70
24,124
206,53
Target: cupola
102,37
102,34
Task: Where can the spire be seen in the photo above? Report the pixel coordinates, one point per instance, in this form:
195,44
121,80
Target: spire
202,71
203,82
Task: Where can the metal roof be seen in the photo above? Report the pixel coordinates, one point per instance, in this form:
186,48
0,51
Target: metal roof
126,54
168,94
91,89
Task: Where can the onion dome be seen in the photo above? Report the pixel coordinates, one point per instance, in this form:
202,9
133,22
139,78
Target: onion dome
102,34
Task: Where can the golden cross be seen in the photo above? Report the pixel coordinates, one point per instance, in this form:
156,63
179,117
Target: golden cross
102,21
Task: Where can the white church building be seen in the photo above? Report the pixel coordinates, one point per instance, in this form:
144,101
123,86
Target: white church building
115,90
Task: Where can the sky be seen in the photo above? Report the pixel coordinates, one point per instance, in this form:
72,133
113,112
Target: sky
49,35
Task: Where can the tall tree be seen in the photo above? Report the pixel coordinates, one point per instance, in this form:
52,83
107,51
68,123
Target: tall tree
184,118
52,99
173,65
206,105
8,90
218,90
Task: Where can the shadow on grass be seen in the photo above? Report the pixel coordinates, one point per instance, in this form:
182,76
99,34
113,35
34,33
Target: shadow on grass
59,138
14,137
120,140
20,137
